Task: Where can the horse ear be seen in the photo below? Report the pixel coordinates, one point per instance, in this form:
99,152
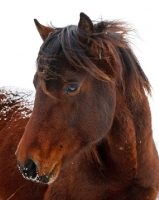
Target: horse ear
85,23
43,30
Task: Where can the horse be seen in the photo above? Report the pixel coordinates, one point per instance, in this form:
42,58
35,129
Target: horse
89,135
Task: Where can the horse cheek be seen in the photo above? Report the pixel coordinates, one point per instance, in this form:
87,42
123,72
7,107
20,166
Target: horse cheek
97,113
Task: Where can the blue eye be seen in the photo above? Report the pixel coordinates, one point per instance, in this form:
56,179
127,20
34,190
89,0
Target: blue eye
71,88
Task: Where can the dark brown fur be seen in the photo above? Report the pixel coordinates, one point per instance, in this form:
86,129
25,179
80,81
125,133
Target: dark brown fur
95,142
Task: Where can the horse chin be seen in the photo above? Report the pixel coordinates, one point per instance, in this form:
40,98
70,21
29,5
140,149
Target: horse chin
52,179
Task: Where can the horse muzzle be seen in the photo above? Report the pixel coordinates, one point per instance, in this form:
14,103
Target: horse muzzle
30,172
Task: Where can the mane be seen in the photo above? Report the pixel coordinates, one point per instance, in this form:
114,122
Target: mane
107,46
106,54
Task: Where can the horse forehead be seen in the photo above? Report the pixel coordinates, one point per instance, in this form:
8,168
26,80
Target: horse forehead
61,67
74,74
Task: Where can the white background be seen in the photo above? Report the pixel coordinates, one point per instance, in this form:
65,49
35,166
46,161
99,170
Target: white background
20,42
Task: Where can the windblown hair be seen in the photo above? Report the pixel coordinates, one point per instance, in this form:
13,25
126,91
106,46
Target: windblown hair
105,53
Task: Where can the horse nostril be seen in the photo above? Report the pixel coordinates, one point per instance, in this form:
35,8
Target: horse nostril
43,179
29,170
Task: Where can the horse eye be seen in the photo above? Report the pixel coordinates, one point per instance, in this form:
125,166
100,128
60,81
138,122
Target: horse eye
71,88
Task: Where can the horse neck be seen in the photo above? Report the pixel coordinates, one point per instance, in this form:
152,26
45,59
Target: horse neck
127,139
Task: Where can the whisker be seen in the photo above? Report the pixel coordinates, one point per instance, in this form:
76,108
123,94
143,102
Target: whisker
15,192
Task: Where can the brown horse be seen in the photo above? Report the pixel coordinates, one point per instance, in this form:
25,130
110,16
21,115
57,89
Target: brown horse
89,136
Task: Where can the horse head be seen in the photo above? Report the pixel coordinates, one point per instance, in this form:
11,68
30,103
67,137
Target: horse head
74,103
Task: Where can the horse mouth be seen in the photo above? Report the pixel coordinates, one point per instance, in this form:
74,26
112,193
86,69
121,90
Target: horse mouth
33,174
51,177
